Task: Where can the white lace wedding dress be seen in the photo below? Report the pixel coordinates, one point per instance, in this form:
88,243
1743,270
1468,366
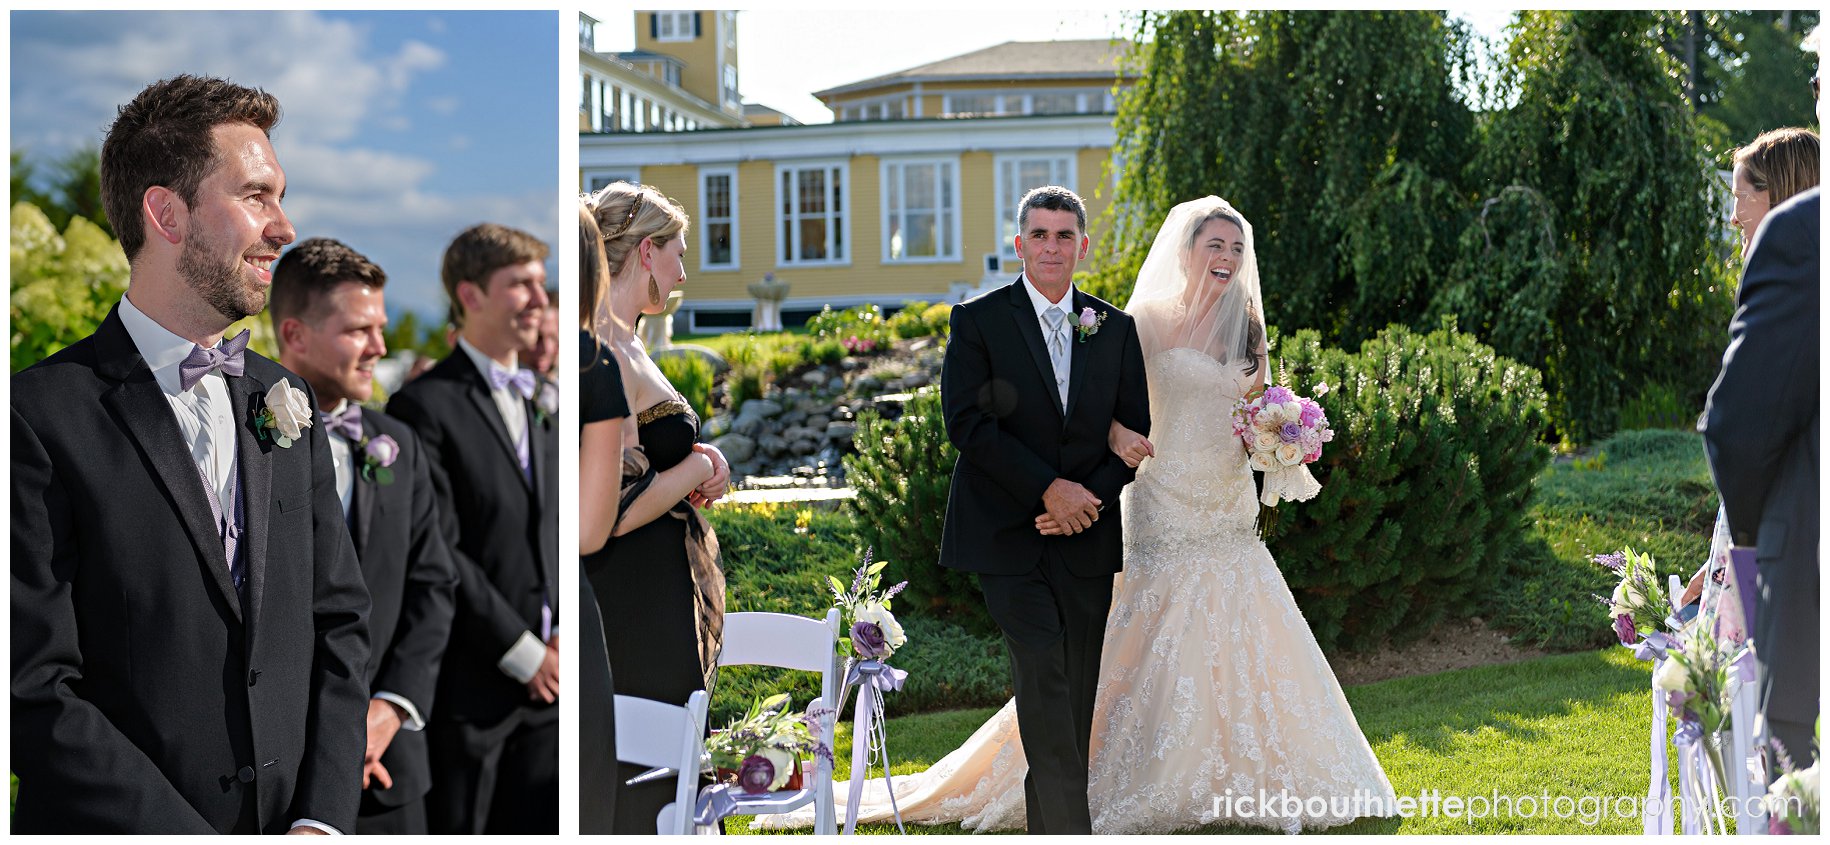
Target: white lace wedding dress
1211,684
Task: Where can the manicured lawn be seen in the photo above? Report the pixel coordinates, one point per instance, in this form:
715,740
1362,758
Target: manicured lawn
1567,725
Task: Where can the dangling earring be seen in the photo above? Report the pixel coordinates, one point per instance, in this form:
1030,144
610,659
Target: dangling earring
654,291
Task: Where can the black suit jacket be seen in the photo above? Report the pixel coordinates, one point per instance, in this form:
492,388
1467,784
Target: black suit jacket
148,695
412,585
1761,429
1004,414
503,532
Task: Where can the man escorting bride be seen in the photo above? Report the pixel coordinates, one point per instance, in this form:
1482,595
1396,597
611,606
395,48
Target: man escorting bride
1204,682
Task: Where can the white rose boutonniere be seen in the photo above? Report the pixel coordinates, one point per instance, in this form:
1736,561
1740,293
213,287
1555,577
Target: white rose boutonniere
285,415
546,402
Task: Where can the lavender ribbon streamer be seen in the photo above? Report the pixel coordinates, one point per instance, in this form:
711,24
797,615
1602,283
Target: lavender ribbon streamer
873,678
1689,756
1658,793
715,803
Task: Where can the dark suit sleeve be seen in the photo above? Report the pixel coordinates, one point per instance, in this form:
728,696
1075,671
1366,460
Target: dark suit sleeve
965,381
1760,402
62,744
336,729
1133,412
477,597
410,669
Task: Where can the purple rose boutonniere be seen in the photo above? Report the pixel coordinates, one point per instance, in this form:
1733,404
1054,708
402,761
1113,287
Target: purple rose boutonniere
1089,323
378,456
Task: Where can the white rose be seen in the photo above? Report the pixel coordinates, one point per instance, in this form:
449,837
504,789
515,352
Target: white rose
876,614
1263,462
1626,596
1671,677
1265,441
784,765
1807,782
1289,454
290,410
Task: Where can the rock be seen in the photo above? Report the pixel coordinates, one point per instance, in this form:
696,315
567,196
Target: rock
794,417
792,395
736,447
800,432
814,377
772,445
919,378
837,385
718,426
850,363
841,432
763,408
817,422
866,385
749,426
811,405
804,447
707,354
744,470
896,385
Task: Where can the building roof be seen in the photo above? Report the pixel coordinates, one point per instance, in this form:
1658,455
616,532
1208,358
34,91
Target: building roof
1093,59
760,110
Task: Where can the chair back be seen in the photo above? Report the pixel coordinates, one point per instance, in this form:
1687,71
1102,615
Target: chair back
656,734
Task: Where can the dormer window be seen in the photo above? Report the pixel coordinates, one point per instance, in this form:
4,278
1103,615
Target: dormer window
675,26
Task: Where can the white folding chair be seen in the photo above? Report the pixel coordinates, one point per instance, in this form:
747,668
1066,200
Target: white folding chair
791,642
657,735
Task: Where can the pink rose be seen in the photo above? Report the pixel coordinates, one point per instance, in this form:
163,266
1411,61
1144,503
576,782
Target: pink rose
1087,318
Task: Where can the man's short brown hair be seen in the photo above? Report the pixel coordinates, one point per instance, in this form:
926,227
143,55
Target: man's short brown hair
304,277
163,138
480,251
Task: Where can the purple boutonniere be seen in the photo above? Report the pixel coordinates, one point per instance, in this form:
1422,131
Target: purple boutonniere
378,455
1089,323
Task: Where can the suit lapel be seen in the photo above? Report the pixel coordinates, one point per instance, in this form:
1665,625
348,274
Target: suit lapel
536,461
246,395
364,493
491,415
1023,313
1077,368
146,414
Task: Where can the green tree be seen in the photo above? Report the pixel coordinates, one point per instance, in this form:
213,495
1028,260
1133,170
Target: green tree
1341,136
1595,252
71,188
1761,76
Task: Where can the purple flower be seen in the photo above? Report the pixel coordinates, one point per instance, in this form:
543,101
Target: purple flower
1674,701
382,450
755,775
1290,433
1776,826
1087,318
1312,413
868,640
1623,628
1613,561
1277,395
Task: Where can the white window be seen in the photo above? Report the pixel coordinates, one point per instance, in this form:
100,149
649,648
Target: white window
920,210
718,219
1019,173
584,93
811,205
675,26
730,85
1054,102
971,104
595,180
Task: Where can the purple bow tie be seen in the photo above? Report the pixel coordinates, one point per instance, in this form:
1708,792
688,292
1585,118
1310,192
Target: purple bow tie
522,380
347,422
227,358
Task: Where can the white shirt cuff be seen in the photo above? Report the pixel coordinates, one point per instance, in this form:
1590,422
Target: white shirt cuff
522,661
319,825
413,722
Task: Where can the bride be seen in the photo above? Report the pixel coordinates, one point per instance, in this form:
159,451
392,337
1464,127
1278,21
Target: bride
1212,690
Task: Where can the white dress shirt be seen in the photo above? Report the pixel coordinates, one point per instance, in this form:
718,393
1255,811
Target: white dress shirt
1068,321
208,399
343,454
522,660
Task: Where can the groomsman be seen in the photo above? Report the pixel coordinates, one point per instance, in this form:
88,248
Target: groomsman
328,312
494,459
188,620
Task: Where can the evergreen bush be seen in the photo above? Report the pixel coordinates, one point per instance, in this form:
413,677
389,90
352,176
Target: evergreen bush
1425,488
692,376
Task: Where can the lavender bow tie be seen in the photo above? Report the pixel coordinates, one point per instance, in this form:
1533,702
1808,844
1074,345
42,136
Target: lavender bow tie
522,380
347,422
227,358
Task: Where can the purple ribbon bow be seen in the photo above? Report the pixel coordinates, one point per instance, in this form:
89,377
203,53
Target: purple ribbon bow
227,357
522,380
347,422
1653,647
874,673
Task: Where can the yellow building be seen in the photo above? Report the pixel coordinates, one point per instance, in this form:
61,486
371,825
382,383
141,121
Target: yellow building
682,76
910,195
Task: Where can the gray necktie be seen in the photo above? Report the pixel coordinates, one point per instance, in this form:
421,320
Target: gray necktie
228,515
1057,349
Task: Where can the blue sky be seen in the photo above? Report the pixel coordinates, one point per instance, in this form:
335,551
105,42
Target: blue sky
399,129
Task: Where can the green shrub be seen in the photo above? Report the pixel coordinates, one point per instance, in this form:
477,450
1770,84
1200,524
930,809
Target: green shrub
692,376
784,361
902,472
745,382
911,321
827,352
1425,487
864,322
939,318
1658,405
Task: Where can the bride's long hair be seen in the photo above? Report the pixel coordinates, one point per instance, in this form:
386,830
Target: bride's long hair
1176,304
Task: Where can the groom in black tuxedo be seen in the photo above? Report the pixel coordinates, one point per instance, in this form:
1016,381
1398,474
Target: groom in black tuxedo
1761,432
494,456
1035,373
188,621
328,311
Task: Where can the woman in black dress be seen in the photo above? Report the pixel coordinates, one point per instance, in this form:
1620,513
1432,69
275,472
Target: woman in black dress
657,578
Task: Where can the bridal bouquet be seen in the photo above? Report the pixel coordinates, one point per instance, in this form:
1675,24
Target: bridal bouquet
761,750
1283,433
875,633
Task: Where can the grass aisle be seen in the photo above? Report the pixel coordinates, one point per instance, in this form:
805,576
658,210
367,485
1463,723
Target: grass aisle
1567,725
